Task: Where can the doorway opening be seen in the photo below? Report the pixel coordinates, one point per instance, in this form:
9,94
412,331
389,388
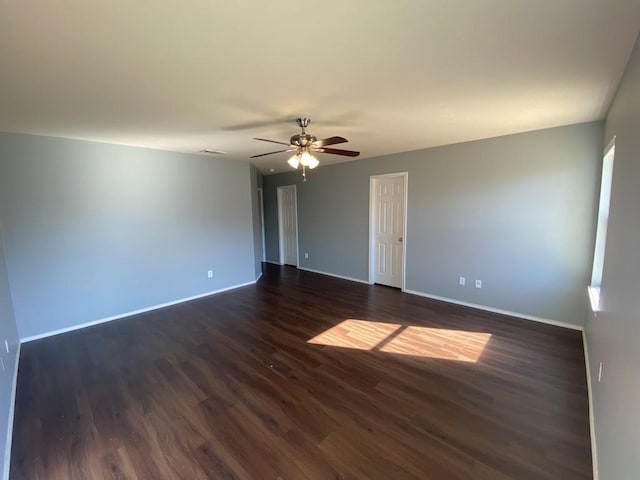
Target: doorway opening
387,229
288,225
262,234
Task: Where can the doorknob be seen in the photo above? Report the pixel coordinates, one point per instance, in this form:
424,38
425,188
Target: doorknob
400,239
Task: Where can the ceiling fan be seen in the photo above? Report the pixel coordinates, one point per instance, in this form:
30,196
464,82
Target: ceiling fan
305,145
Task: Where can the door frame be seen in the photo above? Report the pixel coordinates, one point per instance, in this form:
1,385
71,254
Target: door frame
372,184
281,226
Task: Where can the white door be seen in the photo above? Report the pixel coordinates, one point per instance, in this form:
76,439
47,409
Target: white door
288,225
388,218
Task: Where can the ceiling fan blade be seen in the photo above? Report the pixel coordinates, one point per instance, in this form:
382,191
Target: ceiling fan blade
329,141
337,151
271,153
272,141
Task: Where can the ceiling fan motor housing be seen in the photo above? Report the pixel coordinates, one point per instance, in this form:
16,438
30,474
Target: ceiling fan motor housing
302,140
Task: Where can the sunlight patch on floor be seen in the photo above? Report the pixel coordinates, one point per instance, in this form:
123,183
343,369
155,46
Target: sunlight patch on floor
412,340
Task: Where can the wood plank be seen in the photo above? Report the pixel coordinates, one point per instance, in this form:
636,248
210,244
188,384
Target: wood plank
305,376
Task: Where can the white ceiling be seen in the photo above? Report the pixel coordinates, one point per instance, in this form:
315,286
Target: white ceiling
390,76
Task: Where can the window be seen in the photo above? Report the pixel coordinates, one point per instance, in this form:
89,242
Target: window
601,230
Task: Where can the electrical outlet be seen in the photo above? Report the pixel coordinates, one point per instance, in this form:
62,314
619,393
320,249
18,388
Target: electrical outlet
6,345
478,283
306,255
210,274
462,281
600,373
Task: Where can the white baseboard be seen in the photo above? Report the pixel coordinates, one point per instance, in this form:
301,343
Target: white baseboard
548,321
497,310
12,407
258,277
592,420
334,275
273,263
128,314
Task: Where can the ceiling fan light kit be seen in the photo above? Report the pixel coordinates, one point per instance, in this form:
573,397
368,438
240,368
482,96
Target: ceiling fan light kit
305,146
294,161
305,159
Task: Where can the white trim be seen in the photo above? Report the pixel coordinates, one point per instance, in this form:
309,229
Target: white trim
611,143
592,420
334,275
594,299
372,180
371,240
509,313
602,219
258,277
7,451
128,314
295,201
280,226
548,321
272,262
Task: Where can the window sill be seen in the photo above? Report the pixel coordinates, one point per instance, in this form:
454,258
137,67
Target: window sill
594,298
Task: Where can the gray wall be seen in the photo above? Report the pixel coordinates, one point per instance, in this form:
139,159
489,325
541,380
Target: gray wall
95,230
8,331
614,335
516,212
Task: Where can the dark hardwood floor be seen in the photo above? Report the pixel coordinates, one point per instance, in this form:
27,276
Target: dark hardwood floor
304,377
